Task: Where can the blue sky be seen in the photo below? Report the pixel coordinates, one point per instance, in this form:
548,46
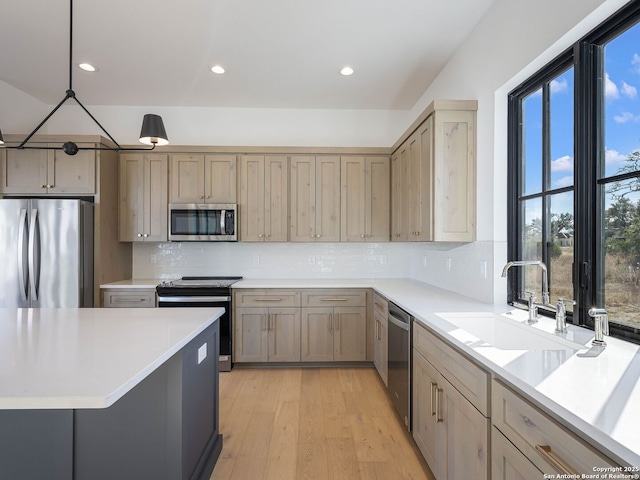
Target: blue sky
622,120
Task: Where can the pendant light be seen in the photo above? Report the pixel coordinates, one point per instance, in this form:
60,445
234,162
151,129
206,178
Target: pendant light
152,133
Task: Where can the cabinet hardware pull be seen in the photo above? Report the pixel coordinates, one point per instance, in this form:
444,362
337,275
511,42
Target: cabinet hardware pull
312,236
260,235
43,186
331,322
361,236
547,453
267,299
139,235
318,236
377,330
433,412
380,306
264,323
438,392
129,300
271,322
338,323
267,236
145,235
334,299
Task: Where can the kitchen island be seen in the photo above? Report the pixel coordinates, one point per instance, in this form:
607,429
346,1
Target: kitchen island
109,393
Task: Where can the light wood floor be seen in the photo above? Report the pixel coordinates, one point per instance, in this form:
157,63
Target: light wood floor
311,423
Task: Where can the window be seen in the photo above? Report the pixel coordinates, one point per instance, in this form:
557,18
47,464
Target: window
574,177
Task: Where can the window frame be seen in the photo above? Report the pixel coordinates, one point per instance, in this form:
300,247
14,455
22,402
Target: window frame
586,56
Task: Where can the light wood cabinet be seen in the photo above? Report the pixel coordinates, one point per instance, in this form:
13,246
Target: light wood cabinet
48,172
315,199
507,462
129,298
143,197
202,178
267,334
380,336
266,325
440,161
538,438
365,199
399,195
451,433
334,326
262,199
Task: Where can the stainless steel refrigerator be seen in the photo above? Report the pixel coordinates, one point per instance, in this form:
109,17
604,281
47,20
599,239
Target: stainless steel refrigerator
46,253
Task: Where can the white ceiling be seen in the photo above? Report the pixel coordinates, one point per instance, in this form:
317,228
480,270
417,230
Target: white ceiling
277,53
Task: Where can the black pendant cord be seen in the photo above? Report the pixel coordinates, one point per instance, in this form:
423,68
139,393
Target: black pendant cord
70,48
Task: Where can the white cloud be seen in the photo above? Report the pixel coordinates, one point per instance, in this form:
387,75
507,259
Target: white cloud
629,90
558,86
613,157
625,117
562,164
610,89
563,182
635,61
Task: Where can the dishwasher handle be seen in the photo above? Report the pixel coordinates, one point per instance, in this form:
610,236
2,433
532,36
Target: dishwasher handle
398,322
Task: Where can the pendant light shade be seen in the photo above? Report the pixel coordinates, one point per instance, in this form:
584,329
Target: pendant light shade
1,139
153,132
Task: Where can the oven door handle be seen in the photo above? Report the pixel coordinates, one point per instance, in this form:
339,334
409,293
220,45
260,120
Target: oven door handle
398,323
164,299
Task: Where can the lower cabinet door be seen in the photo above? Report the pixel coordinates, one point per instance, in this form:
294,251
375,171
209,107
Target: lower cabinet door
284,335
349,334
507,462
251,335
317,334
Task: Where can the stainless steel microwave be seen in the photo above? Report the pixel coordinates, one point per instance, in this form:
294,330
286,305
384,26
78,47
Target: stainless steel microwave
203,222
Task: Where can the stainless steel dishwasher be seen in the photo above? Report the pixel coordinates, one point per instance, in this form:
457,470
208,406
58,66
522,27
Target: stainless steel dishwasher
399,374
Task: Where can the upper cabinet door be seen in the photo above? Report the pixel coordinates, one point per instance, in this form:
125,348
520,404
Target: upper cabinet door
251,198
44,172
220,179
365,200
24,171
315,199
399,195
327,205
276,198
131,198
155,198
454,194
187,179
71,174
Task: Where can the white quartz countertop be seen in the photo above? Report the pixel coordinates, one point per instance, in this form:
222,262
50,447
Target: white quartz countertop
593,392
88,357
137,283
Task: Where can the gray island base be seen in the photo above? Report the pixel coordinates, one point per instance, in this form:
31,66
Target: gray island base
166,427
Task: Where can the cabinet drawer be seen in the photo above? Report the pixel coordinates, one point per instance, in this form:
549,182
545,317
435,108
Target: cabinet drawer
334,298
462,373
550,446
267,298
380,305
129,298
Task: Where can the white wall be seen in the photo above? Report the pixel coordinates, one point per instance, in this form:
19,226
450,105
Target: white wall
512,41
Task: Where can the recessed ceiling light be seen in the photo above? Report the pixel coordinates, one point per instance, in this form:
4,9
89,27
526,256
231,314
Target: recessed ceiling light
346,71
217,69
87,67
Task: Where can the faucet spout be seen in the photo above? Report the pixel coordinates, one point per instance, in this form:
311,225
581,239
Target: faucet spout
545,278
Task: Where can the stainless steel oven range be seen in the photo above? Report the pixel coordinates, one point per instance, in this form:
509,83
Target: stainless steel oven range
204,292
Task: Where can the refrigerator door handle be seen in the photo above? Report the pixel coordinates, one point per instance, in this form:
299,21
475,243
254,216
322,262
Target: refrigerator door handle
23,228
33,253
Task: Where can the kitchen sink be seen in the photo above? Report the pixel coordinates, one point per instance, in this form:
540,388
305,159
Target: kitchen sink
494,330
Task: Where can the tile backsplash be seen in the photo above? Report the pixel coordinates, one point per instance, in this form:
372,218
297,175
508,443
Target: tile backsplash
466,269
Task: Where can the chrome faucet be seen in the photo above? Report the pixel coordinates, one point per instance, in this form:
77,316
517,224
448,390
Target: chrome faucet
561,315
545,279
600,325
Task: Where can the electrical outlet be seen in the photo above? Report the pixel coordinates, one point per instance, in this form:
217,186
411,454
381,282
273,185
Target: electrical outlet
383,259
448,264
202,353
483,269
256,259
312,259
